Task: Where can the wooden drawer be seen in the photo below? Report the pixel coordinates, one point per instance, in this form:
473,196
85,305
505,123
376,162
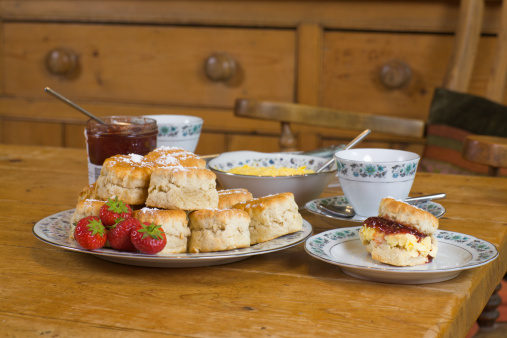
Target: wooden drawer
155,64
353,62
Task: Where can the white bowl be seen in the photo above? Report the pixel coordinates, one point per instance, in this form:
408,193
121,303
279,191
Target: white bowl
178,130
305,187
368,175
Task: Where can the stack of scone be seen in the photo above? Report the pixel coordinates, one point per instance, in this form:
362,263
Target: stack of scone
172,187
401,235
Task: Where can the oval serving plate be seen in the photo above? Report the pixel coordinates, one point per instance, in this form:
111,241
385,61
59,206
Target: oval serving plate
54,230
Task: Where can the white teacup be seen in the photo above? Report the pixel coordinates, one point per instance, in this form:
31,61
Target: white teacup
368,175
178,130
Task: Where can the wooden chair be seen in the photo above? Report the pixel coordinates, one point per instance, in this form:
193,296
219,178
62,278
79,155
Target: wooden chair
287,113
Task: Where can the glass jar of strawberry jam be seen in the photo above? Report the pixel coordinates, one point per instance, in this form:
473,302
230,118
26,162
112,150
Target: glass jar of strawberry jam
121,135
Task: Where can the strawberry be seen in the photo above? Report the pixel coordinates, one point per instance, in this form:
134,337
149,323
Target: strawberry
119,234
148,238
114,211
90,233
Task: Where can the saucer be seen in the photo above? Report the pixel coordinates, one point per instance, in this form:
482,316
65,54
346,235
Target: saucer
432,207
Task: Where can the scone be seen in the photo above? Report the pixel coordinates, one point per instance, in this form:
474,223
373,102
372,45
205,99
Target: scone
174,223
124,176
401,235
174,156
182,188
218,229
228,197
84,208
272,216
88,192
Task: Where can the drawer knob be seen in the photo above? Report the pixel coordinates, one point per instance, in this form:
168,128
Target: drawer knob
395,74
61,61
220,67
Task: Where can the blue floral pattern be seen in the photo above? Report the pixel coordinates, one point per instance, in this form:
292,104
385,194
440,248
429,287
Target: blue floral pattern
185,131
377,171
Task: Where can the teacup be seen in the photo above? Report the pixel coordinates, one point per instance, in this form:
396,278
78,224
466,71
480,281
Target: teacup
178,131
368,175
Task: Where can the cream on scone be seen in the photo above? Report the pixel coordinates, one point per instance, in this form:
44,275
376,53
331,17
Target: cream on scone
124,176
174,223
228,197
272,216
173,157
182,188
218,230
401,235
84,208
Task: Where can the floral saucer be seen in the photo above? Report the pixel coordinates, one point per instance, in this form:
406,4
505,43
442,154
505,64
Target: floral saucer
432,207
456,252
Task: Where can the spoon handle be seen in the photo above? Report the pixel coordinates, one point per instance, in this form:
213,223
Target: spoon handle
352,143
426,197
73,105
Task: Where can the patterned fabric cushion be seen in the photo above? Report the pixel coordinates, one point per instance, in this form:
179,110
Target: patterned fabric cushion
452,117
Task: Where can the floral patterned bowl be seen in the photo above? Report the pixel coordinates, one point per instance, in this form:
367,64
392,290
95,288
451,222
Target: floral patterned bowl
178,130
304,187
368,175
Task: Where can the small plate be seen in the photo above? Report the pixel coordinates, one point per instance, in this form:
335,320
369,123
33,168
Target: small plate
456,252
433,208
54,230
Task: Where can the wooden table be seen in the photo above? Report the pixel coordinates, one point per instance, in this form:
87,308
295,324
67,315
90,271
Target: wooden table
47,291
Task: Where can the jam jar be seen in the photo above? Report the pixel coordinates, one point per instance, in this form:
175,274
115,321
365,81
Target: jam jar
121,135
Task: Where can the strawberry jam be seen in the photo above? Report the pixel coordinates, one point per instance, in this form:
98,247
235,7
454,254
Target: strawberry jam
122,135
389,227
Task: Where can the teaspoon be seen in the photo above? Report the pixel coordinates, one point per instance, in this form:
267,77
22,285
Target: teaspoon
351,144
73,105
347,211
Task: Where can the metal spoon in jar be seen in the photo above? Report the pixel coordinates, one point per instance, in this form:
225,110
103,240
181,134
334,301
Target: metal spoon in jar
73,105
351,144
347,211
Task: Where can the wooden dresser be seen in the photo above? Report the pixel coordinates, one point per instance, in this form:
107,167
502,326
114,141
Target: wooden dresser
128,57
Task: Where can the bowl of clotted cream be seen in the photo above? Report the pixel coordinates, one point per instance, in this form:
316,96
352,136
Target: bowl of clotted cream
271,173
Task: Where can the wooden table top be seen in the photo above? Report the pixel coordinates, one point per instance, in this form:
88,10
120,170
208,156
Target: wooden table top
46,290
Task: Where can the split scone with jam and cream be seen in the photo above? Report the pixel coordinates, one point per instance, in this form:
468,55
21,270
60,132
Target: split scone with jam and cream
272,216
401,235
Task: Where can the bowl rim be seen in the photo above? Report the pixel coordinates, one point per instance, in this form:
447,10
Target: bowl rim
269,155
192,119
416,156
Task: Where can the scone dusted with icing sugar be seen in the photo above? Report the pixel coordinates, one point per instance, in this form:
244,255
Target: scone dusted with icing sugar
124,176
229,197
218,230
174,223
173,157
272,216
401,235
182,188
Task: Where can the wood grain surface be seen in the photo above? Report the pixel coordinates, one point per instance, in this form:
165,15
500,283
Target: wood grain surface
48,291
